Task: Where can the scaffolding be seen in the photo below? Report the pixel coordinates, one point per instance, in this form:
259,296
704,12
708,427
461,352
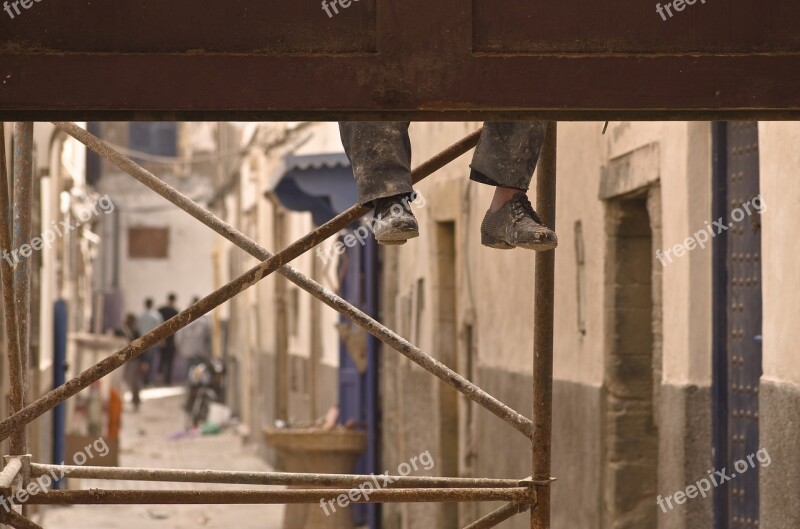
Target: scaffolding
522,494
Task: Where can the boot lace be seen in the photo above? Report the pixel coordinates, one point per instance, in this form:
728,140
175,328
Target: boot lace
522,208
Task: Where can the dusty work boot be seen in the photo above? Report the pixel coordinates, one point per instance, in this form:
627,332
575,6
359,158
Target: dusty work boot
393,223
516,225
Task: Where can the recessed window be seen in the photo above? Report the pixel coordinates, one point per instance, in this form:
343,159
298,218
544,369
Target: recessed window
148,243
154,137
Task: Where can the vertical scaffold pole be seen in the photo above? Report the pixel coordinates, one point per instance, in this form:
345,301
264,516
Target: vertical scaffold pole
9,308
20,239
544,299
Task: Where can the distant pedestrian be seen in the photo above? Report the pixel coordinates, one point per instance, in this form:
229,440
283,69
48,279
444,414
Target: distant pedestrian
167,361
134,370
147,321
194,341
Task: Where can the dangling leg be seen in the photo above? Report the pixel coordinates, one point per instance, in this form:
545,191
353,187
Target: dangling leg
506,158
380,155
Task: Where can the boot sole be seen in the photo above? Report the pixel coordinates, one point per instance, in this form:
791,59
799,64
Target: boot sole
502,245
540,247
397,237
496,244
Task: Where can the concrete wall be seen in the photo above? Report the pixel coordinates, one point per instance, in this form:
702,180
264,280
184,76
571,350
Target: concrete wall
494,311
779,399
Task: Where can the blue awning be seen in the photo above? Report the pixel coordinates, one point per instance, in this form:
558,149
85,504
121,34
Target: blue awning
322,184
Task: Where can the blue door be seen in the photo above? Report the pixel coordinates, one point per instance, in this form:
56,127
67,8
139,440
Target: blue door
358,370
738,318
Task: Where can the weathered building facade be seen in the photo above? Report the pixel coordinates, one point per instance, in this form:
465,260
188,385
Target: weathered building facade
65,217
656,373
283,344
153,248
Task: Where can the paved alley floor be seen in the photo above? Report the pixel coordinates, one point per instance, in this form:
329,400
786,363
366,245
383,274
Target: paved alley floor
145,441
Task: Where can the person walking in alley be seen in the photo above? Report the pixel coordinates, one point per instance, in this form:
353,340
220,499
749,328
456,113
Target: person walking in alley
194,341
167,359
146,322
134,370
506,157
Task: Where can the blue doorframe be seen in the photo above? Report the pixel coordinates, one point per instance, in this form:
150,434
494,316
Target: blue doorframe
323,184
358,392
60,330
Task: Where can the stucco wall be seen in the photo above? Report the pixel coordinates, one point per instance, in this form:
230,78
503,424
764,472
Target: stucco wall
495,298
779,398
779,145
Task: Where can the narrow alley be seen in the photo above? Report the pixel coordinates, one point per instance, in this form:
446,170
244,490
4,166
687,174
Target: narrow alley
151,438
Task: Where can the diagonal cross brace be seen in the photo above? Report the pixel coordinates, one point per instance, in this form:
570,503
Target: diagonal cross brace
271,263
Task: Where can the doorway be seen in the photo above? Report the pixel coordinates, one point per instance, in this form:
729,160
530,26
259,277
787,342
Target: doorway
630,465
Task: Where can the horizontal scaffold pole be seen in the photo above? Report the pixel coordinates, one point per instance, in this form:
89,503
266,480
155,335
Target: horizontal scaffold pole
277,497
265,478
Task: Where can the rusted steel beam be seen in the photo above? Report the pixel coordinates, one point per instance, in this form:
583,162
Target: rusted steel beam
498,516
15,370
20,239
16,520
264,497
544,303
384,60
368,87
279,262
266,478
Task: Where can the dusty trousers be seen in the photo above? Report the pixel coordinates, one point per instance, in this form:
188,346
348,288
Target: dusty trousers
380,154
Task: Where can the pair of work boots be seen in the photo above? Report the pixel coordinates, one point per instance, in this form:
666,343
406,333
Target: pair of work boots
514,225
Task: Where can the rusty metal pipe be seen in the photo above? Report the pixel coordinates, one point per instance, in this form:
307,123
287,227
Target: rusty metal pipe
10,472
278,262
15,370
544,302
21,238
265,497
17,521
263,478
498,516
